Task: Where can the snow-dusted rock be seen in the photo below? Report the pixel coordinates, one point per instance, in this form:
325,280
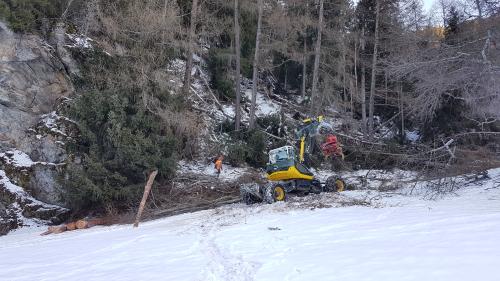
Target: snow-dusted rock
32,79
37,177
33,82
18,208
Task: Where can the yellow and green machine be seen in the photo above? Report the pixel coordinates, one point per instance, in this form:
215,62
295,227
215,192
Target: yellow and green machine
287,170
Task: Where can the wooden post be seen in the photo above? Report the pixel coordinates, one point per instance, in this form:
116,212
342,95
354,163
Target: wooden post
147,189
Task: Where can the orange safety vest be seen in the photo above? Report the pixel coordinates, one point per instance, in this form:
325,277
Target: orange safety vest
218,164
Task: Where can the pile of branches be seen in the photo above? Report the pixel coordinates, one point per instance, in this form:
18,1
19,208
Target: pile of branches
192,192
457,153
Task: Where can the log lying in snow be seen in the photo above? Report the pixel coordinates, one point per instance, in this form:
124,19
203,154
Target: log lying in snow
55,229
80,224
71,226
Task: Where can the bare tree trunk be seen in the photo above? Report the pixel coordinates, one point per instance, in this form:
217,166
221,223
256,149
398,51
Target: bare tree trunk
286,78
64,14
344,86
255,64
355,77
189,62
386,88
479,9
304,69
147,189
363,82
317,54
443,11
374,71
352,91
163,39
237,48
401,111
363,97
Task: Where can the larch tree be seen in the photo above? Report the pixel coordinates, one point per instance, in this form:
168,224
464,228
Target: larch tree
260,6
363,80
237,73
371,106
317,56
190,48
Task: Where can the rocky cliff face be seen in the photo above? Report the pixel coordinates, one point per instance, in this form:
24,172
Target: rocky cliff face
33,81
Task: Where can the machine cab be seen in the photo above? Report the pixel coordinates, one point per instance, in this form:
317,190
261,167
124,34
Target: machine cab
280,159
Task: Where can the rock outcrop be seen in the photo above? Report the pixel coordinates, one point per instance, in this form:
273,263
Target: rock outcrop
33,81
18,208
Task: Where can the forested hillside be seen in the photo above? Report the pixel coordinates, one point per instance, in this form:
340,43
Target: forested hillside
153,84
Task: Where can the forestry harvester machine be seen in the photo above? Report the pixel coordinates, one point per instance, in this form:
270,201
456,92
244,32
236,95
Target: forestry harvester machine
287,171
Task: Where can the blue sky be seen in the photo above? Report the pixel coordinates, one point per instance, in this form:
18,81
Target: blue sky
428,5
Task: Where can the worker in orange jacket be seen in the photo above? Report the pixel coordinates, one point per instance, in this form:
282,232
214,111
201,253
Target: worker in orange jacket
218,165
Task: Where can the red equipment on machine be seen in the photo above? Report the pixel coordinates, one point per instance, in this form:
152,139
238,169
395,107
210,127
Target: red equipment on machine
331,146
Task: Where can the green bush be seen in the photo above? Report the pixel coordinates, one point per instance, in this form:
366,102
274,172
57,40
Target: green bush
237,153
257,148
226,126
248,147
246,67
273,125
30,15
219,66
119,143
248,25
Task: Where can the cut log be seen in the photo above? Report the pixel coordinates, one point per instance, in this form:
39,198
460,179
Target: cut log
87,223
71,226
80,224
55,229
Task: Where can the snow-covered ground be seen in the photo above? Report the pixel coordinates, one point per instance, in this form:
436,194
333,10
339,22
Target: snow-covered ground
310,238
264,105
228,173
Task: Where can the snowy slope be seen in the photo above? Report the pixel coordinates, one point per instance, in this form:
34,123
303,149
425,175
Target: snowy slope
228,173
312,238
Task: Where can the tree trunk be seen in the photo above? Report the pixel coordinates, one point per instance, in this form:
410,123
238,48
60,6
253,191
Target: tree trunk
344,86
479,9
255,64
147,189
355,78
189,60
374,71
386,89
363,82
304,69
317,53
237,48
363,98
286,77
401,111
165,6
443,11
